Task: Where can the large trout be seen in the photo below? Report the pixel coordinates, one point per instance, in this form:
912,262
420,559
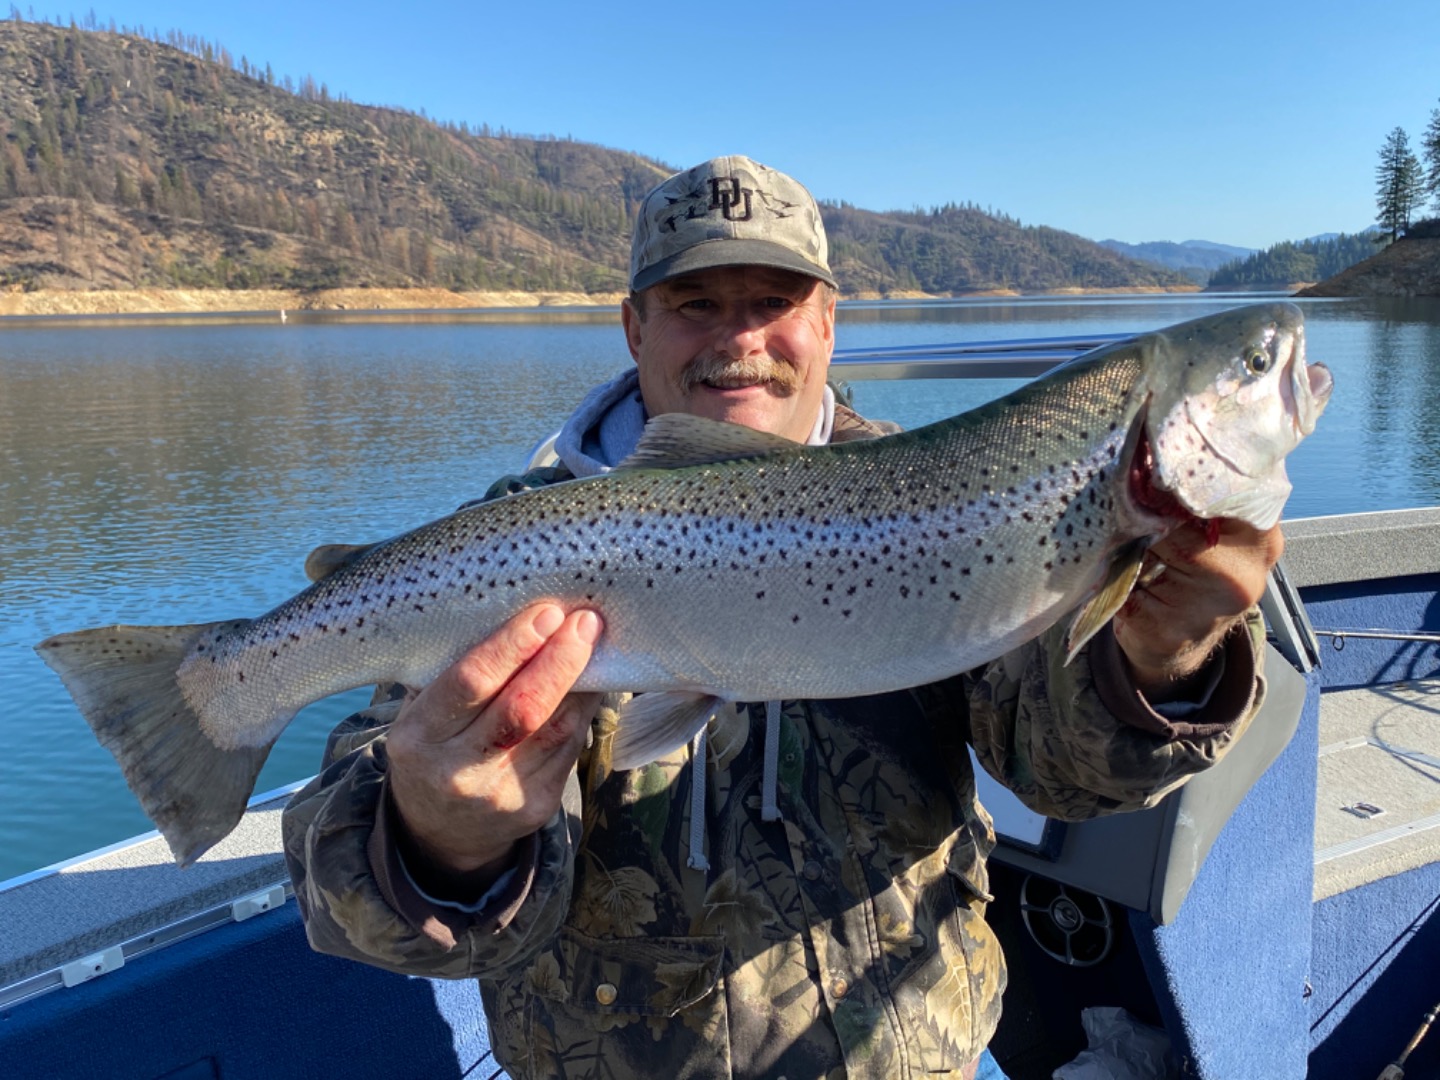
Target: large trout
731,565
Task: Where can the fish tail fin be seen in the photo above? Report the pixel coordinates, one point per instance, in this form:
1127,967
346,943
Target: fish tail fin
123,680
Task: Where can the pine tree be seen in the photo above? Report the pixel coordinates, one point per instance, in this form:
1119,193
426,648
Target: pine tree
1430,148
1400,184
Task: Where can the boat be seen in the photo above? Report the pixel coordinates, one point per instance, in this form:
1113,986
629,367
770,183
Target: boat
1276,918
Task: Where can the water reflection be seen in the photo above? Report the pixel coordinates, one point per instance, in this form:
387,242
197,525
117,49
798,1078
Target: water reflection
1402,389
161,472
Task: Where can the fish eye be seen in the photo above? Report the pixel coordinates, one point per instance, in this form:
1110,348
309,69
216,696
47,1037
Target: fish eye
1257,360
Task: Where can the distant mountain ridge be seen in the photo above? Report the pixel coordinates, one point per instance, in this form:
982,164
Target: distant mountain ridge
128,162
1196,259
1210,245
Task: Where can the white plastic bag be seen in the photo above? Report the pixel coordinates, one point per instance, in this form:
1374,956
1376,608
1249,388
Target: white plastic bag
1121,1048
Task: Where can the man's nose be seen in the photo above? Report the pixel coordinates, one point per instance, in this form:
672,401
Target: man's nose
741,333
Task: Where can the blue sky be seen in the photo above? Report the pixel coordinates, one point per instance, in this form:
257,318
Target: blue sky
1244,123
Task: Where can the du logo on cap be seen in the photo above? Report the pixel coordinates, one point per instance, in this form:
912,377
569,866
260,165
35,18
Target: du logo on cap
725,195
729,211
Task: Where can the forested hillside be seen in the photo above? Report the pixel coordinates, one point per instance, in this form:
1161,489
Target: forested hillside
128,162
954,248
1296,261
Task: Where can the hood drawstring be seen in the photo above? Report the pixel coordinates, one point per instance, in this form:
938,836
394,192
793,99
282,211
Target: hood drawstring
769,782
697,859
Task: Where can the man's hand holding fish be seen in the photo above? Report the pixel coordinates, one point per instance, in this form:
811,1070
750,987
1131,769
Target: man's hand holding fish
1189,596
480,756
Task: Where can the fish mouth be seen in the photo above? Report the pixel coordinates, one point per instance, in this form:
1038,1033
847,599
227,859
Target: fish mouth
1145,493
1305,388
1310,387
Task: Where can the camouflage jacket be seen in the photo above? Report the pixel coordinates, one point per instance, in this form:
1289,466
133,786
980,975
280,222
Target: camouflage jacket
845,939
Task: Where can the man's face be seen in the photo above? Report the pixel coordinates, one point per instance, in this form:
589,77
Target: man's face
746,344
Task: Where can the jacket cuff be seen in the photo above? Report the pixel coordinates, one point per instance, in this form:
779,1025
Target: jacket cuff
1229,702
445,923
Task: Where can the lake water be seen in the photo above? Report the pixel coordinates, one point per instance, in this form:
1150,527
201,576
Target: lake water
176,473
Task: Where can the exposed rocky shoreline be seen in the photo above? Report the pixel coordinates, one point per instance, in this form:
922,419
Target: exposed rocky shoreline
1407,268
239,301
155,301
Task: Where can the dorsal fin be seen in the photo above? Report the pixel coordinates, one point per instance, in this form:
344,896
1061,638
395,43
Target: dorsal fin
327,558
675,440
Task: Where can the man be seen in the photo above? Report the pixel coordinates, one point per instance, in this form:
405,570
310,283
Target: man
801,892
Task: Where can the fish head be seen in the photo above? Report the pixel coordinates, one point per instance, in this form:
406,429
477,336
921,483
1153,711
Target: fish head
1229,396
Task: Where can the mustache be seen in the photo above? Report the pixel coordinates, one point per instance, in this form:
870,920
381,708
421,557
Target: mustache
751,369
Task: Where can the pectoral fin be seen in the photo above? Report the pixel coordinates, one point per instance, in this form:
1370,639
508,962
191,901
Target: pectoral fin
1108,599
653,725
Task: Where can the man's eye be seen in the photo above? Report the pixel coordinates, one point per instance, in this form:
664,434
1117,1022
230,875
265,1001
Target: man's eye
698,304
778,301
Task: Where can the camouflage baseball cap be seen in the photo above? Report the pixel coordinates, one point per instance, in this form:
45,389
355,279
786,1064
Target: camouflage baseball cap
728,211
